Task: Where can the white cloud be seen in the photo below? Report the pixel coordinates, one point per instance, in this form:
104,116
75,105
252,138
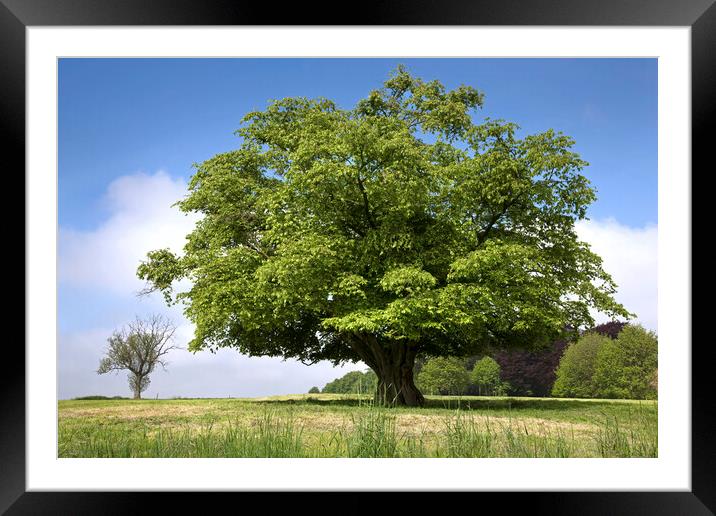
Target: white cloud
630,256
141,219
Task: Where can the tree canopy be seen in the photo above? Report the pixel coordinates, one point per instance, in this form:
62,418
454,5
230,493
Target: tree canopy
400,226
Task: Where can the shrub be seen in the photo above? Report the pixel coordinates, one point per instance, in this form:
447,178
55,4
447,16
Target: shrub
314,390
443,375
625,367
576,368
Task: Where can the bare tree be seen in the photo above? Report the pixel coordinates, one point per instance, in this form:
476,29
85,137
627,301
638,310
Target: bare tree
138,348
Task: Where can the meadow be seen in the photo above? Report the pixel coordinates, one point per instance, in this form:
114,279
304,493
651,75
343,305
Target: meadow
334,425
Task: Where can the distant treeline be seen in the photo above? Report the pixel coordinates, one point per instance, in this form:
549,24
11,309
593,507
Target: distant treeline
101,398
354,382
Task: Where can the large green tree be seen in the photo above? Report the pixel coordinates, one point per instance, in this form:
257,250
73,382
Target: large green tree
398,227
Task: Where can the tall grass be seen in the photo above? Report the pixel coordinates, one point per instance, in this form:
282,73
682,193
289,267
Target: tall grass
373,434
269,436
466,437
369,431
638,439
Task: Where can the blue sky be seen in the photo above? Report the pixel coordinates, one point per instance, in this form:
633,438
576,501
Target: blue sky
130,129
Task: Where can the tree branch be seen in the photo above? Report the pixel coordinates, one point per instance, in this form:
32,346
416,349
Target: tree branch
366,205
482,236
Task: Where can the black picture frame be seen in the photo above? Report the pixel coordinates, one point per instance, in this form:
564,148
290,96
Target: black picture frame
700,15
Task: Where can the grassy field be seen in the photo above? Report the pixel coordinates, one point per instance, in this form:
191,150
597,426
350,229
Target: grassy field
325,425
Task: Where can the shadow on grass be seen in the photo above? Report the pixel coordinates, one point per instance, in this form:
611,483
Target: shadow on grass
465,403
346,402
431,402
515,403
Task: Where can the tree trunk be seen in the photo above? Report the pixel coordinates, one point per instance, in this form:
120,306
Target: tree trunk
393,363
396,387
135,383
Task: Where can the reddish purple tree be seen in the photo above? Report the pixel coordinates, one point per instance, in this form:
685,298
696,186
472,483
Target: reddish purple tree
610,329
530,373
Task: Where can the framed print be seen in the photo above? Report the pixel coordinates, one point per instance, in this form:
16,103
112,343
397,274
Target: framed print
67,64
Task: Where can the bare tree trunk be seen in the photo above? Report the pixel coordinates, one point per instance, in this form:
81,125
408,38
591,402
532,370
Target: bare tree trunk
393,363
137,394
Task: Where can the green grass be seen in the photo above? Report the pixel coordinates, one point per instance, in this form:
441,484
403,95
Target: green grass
321,425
